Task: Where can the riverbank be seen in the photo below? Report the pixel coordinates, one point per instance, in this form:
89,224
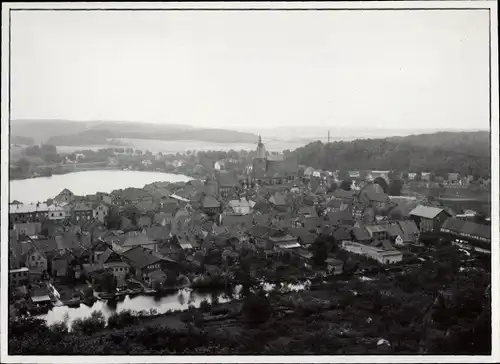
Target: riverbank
86,182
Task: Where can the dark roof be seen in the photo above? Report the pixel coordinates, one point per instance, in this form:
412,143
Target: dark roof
210,202
156,233
361,234
394,230
140,257
342,233
305,236
45,245
245,221
262,206
226,179
259,231
468,227
312,223
340,218
408,227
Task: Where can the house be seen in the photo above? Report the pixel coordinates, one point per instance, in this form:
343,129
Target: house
242,222
101,212
145,261
60,264
24,213
429,219
378,252
34,257
468,232
340,218
377,232
226,181
278,201
242,206
82,211
334,266
409,230
27,229
453,178
394,231
426,176
210,205
19,277
65,196
144,221
141,239
119,269
341,234
133,196
361,234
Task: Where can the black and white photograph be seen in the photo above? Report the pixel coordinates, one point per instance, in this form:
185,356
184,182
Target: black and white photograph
250,182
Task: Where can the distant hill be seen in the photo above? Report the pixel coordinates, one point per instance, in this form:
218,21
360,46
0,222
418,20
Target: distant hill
66,132
462,152
21,140
473,143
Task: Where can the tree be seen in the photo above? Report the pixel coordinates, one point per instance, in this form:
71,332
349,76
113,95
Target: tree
395,187
257,308
320,251
382,183
346,185
90,325
107,282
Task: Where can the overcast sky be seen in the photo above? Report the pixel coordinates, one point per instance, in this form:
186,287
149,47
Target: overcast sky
394,69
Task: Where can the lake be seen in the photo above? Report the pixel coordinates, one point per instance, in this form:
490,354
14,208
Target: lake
84,183
180,300
181,146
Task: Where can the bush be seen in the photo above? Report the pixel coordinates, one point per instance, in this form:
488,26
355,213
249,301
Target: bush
205,306
122,319
90,325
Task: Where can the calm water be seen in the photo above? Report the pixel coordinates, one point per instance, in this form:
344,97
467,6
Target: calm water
86,182
181,146
180,300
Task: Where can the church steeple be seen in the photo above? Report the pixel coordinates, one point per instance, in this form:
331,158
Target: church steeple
261,150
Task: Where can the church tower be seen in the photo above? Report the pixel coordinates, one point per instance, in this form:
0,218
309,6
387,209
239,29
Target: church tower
260,160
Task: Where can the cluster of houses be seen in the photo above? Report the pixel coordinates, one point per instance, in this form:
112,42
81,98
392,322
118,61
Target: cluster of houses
147,233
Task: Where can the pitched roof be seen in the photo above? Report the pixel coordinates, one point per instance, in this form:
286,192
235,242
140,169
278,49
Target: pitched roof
278,199
394,230
340,217
468,227
342,233
156,233
305,236
245,221
408,227
210,202
360,233
45,245
140,257
427,212
138,240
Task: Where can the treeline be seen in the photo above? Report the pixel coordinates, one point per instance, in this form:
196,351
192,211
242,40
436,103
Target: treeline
382,154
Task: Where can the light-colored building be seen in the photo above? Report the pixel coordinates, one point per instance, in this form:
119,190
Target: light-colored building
383,256
58,212
100,212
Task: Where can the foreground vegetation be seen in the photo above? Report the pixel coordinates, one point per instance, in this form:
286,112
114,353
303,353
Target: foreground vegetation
439,307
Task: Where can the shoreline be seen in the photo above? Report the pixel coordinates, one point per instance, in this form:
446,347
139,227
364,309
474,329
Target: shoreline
91,169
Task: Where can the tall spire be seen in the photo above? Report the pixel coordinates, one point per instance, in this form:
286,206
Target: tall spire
260,139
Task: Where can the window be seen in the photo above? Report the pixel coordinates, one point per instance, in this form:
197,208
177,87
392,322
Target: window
38,258
60,214
32,258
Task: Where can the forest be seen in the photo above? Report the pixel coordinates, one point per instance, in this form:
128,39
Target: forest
417,153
